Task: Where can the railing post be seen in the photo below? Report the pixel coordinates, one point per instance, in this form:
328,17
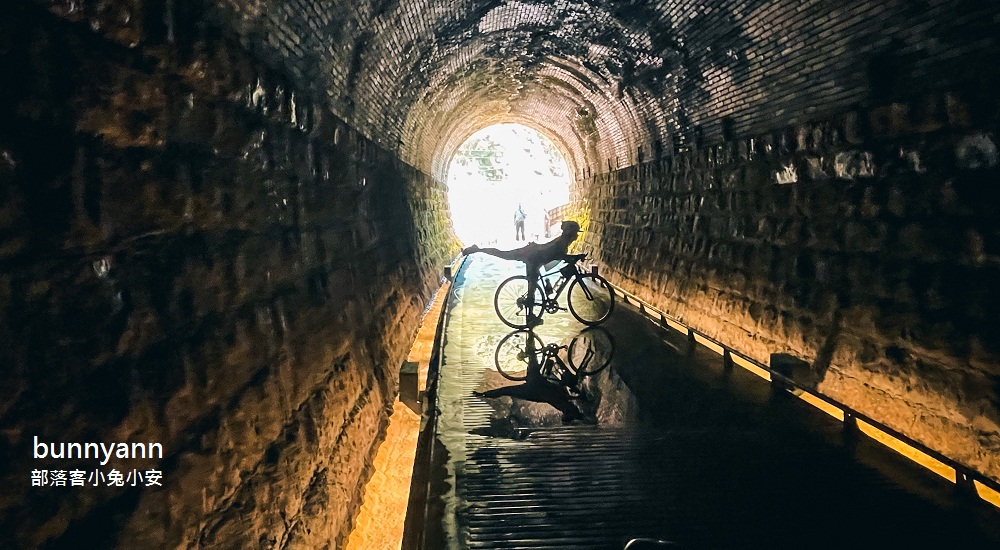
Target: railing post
850,430
784,368
727,361
966,487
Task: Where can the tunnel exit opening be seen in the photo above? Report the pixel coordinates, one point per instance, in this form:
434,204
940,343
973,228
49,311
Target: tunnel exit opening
496,173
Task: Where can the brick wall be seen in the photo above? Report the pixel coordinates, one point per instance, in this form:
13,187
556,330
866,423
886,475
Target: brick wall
612,81
865,244
194,252
202,200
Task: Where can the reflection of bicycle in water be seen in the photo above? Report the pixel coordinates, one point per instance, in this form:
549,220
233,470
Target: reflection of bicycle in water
522,351
590,298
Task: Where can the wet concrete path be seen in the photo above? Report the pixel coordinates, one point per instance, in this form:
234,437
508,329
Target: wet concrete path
670,446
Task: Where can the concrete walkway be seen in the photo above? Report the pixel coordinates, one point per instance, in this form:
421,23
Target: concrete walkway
670,446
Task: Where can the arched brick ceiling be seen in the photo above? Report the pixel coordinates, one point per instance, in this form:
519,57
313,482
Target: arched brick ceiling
420,76
556,66
602,78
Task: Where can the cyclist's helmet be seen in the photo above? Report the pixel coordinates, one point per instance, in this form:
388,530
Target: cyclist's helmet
570,226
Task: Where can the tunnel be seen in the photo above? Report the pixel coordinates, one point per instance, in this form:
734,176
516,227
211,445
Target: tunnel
223,221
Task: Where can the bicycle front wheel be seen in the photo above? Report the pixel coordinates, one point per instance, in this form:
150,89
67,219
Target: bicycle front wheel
511,302
516,353
591,299
591,351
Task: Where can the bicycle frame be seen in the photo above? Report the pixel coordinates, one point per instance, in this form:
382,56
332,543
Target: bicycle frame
517,307
551,353
526,353
554,291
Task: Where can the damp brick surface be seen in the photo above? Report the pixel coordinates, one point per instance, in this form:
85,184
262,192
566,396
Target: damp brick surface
196,253
612,82
872,258
221,220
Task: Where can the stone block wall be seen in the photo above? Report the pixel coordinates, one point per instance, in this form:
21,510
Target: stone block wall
194,253
612,82
865,244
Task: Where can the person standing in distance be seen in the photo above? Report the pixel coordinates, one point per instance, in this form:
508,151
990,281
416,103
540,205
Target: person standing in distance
519,224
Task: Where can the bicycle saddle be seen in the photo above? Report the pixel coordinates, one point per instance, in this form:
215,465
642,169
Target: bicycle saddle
573,258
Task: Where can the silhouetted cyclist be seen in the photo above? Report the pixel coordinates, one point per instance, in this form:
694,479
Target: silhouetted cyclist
534,256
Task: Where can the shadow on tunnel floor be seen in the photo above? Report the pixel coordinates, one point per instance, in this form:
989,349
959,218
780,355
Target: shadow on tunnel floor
674,447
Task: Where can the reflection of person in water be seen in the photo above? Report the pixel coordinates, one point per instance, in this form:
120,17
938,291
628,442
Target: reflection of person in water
536,388
534,256
539,390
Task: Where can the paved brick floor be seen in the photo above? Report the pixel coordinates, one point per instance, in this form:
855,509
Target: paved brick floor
670,446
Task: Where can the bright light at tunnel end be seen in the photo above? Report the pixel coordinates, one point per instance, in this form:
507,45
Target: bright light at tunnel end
495,170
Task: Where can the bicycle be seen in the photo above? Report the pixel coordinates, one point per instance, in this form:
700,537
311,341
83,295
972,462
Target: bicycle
588,353
590,298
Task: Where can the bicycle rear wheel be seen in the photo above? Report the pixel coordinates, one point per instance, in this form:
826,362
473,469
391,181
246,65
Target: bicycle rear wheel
591,299
510,302
513,356
591,351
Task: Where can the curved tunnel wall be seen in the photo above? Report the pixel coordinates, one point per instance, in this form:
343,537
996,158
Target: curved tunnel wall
614,81
841,213
196,253
223,188
796,107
